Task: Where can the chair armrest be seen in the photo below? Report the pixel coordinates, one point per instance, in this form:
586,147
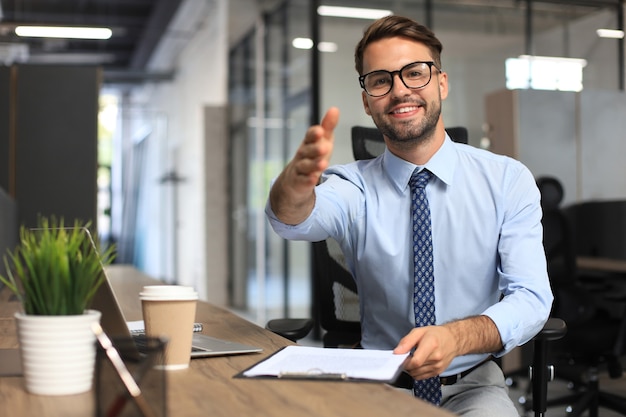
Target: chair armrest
554,329
541,372
292,329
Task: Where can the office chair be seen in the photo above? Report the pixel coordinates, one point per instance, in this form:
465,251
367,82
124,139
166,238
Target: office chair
595,336
368,142
335,302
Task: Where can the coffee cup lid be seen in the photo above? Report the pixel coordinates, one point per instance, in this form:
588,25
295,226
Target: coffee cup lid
167,292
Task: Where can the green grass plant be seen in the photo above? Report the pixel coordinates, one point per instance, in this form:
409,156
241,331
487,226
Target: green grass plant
56,270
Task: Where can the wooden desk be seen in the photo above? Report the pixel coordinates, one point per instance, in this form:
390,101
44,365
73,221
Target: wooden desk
208,388
601,264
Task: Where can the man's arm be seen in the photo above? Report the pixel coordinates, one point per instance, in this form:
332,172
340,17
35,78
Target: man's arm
292,196
436,346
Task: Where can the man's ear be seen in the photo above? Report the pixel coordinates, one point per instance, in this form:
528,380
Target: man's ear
366,105
443,85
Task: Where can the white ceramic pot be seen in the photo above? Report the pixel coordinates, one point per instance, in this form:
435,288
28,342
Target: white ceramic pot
58,352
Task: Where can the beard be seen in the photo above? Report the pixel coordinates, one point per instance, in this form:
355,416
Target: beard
407,134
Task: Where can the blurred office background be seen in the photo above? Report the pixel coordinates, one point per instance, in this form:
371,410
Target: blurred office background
202,102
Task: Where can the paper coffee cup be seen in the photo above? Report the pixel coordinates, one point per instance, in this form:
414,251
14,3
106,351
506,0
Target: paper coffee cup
169,311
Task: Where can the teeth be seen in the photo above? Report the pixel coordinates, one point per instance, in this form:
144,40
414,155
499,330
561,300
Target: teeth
405,110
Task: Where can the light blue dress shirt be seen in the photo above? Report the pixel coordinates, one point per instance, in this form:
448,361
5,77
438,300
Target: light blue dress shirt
487,242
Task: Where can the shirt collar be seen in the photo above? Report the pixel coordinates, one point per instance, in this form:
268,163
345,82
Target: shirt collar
442,164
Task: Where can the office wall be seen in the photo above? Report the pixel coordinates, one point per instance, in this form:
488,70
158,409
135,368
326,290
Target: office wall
56,142
579,138
8,227
217,184
193,142
603,145
5,97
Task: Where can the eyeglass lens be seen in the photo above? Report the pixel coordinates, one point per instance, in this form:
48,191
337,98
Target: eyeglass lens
414,75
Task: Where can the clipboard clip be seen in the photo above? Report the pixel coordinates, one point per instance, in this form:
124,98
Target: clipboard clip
314,373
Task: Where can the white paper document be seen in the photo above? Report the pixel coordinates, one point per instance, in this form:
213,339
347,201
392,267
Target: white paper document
305,362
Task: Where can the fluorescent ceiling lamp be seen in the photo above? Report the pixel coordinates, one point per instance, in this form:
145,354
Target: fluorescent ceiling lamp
352,12
327,47
306,43
302,43
64,32
610,33
71,58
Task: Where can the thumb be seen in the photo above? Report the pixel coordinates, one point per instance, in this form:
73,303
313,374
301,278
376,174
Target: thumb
330,120
407,343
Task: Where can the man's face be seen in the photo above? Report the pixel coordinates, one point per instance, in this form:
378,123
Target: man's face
405,116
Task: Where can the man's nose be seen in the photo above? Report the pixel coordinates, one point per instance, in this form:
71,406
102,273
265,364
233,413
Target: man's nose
398,87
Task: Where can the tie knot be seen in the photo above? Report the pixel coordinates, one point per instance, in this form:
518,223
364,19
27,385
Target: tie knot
419,179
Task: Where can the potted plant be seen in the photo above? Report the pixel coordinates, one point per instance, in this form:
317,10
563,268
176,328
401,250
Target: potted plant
55,272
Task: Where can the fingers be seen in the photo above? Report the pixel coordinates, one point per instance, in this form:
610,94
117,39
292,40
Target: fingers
430,356
292,197
313,155
330,120
407,343
325,130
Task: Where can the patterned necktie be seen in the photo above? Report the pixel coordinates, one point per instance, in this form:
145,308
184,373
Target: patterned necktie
424,291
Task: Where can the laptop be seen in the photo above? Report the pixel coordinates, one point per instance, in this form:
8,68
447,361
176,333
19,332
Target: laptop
116,326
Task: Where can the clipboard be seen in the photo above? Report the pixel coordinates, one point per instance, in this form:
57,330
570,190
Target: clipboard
328,364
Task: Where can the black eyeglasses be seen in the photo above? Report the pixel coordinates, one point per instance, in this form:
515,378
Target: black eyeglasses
413,75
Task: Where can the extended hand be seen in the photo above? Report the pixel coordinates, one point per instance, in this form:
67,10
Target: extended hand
313,154
292,197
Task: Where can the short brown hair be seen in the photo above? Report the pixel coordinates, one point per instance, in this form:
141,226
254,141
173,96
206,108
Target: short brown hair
391,26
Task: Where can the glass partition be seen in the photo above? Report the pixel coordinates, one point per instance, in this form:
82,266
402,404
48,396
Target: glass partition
270,106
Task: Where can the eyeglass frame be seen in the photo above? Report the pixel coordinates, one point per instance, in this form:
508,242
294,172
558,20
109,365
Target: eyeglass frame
430,64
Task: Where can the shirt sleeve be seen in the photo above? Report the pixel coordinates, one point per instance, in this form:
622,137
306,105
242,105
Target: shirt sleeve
523,279
336,198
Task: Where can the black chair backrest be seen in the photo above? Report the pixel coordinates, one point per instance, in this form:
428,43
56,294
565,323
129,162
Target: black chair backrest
558,239
571,302
368,142
336,298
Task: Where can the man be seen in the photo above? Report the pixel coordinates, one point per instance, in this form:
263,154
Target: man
480,243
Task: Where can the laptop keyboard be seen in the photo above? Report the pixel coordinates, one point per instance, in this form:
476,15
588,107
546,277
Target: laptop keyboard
141,341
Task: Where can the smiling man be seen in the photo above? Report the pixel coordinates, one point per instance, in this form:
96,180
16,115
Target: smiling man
443,239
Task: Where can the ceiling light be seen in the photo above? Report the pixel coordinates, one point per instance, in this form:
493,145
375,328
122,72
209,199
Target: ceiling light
327,47
302,43
352,12
610,33
64,32
306,43
71,58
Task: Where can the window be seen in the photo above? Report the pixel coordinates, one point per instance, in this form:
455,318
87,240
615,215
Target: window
545,73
